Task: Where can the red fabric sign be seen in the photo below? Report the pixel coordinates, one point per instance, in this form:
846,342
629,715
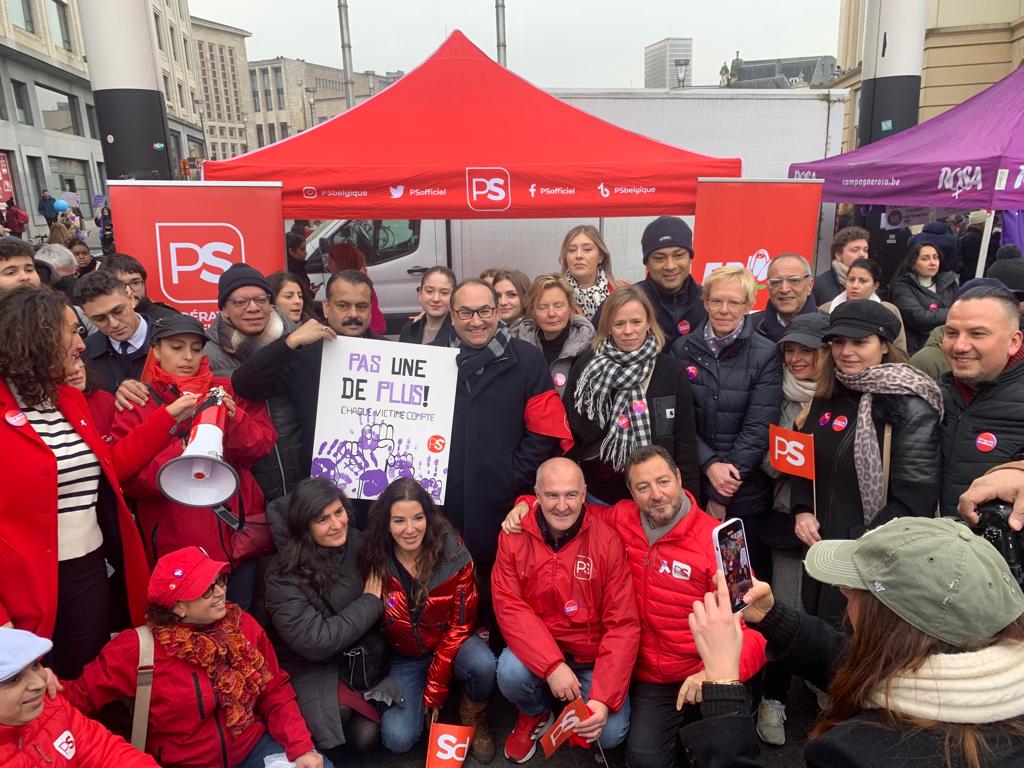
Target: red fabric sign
6,181
186,234
449,745
748,223
791,452
564,726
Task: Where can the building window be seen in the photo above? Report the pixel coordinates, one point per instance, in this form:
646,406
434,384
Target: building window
231,131
3,105
271,133
90,116
255,84
21,14
234,149
188,52
159,31
279,87
245,148
265,77
72,176
284,130
35,169
21,105
167,91
181,94
259,135
58,110
172,36
59,27
192,100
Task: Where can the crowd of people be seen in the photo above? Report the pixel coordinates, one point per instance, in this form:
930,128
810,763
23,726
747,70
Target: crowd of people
601,432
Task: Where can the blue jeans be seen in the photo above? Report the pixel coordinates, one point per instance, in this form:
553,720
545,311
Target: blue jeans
529,694
266,747
401,727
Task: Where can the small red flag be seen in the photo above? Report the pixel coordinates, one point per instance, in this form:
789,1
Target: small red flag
791,452
449,745
563,728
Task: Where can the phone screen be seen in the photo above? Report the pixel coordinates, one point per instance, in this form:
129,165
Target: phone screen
730,542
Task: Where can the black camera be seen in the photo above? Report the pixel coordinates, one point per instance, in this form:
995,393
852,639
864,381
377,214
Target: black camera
994,526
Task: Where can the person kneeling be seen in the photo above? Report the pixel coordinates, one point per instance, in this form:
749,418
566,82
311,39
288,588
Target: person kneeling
565,603
430,606
218,696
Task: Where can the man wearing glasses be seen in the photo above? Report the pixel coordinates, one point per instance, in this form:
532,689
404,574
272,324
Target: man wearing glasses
132,275
119,350
789,286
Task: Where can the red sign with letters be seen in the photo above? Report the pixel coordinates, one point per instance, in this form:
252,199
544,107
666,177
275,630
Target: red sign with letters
448,745
564,726
791,452
186,234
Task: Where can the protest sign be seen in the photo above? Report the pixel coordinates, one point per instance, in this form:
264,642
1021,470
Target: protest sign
791,452
385,411
448,745
563,728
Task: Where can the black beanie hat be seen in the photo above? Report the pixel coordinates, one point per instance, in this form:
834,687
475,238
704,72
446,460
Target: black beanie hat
666,232
238,276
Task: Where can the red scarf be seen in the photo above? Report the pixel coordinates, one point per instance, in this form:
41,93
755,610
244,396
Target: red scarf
234,664
197,385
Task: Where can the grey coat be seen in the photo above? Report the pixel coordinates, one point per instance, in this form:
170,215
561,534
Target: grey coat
310,633
581,333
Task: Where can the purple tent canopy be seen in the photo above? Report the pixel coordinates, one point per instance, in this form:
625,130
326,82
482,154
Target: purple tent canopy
971,156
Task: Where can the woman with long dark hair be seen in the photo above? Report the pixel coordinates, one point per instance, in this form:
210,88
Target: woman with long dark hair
430,605
289,297
323,614
924,292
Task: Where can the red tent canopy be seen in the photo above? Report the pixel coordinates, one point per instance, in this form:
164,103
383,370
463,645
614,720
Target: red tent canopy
462,137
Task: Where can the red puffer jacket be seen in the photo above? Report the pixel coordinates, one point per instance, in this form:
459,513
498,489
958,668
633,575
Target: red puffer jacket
186,723
166,525
667,579
445,622
577,602
63,736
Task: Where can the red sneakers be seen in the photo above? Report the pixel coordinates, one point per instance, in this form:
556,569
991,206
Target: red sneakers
522,742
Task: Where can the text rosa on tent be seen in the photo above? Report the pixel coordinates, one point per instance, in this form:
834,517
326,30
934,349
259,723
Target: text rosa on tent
958,180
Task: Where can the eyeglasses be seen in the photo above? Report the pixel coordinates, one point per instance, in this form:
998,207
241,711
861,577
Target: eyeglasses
242,303
734,305
135,284
120,312
776,282
221,581
82,332
484,313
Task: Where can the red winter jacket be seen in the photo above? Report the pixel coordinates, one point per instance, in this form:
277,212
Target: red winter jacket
63,736
444,624
167,525
28,504
186,724
668,578
575,603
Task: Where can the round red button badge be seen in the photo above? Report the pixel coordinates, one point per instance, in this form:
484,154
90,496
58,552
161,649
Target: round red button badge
683,327
839,424
639,407
16,418
826,417
571,608
985,442
933,306
559,379
623,421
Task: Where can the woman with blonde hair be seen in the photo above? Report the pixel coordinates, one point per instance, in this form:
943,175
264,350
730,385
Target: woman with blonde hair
623,394
587,268
554,325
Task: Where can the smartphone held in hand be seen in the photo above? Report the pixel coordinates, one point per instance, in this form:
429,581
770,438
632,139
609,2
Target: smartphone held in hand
730,542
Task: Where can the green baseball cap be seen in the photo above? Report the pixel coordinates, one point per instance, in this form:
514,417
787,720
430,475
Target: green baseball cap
935,574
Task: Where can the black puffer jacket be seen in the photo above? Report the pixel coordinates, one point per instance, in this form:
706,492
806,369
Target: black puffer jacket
914,473
310,632
967,450
922,310
735,398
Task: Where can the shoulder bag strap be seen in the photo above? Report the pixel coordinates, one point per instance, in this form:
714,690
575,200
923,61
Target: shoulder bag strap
886,459
143,688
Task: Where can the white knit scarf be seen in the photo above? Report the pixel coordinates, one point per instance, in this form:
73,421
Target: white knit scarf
984,686
795,390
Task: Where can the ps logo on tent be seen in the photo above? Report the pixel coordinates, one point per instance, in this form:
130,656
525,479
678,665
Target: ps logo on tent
603,190
397,192
309,193
488,189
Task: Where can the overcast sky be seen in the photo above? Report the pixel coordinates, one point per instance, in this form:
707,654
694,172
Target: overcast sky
552,43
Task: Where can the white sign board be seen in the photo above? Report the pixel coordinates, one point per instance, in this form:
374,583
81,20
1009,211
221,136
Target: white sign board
385,411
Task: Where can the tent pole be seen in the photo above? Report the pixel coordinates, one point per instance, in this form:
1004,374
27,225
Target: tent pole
346,54
499,13
985,237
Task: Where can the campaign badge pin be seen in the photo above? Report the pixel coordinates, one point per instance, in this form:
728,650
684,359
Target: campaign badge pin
571,608
623,421
683,327
691,372
839,424
16,418
559,379
639,407
178,573
826,417
933,306
985,442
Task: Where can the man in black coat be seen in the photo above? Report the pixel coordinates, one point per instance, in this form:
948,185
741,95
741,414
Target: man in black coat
849,244
789,290
119,350
983,390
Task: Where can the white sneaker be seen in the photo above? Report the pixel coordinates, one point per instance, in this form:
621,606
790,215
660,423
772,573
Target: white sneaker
771,719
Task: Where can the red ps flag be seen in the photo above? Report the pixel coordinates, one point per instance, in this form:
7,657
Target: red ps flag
564,726
791,452
449,745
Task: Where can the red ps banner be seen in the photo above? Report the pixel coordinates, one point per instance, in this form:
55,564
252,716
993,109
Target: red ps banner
747,223
186,234
449,745
791,452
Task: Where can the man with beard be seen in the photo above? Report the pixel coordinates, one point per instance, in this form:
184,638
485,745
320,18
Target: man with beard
669,549
291,363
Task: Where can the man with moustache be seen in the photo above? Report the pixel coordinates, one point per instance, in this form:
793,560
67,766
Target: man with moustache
789,287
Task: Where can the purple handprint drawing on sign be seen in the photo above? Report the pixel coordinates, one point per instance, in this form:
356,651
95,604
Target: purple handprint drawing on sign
376,445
